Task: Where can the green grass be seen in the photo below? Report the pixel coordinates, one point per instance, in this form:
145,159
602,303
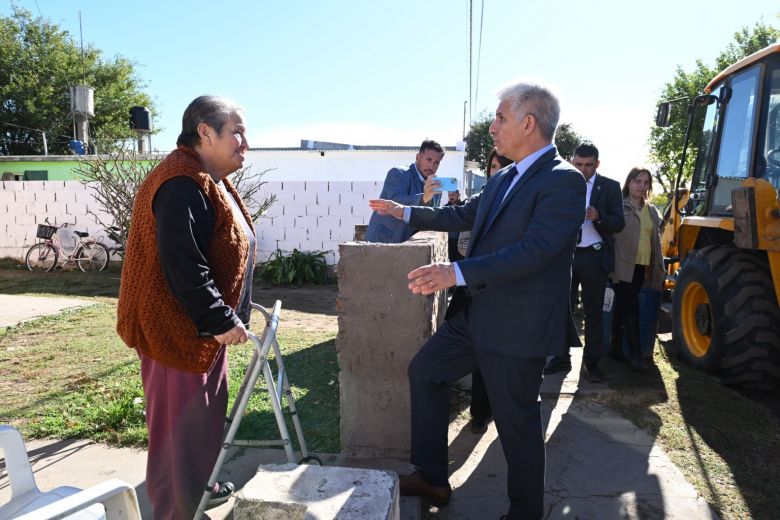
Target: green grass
70,376
726,445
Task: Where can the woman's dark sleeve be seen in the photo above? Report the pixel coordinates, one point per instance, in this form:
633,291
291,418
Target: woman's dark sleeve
185,220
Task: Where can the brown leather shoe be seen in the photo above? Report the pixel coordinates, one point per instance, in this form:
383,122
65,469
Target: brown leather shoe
415,485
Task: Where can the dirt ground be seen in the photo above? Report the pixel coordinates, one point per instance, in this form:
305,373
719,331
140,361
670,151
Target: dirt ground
312,308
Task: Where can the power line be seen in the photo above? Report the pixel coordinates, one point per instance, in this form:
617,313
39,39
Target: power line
479,55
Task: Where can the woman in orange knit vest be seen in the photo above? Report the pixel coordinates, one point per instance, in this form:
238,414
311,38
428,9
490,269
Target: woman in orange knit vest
185,295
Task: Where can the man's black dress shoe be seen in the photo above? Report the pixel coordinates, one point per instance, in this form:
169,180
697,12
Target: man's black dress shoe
415,485
592,373
557,364
479,425
221,495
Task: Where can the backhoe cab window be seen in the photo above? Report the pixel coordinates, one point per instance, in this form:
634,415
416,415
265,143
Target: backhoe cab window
736,140
769,165
704,158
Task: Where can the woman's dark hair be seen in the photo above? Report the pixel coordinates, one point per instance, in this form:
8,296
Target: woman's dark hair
635,172
503,161
212,110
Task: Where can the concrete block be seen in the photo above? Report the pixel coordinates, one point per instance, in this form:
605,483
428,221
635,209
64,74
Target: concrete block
353,199
330,245
56,208
341,210
272,235
342,234
284,223
275,210
75,186
377,338
372,189
295,234
294,210
45,196
84,197
317,186
305,197
318,210
328,198
52,185
25,196
341,187
13,186
328,222
7,196
351,222
24,219
65,196
76,208
289,491
317,235
272,187
305,222
293,186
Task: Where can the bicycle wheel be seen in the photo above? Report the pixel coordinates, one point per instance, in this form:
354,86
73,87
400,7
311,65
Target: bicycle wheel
92,257
41,257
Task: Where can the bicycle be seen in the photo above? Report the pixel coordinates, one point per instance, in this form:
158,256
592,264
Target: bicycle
89,255
115,234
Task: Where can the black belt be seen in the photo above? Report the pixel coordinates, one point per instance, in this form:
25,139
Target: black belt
598,246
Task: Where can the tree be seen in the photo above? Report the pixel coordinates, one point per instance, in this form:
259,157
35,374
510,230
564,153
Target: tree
116,176
38,64
666,144
566,140
479,142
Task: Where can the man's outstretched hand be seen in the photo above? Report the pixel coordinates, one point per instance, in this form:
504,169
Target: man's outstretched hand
428,279
387,207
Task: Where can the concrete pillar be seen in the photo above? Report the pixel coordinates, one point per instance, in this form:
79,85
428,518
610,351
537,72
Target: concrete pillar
382,325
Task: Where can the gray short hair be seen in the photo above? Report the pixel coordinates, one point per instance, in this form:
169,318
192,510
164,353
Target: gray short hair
212,110
537,100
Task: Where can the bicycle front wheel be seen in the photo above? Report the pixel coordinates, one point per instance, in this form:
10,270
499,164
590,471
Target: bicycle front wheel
41,257
92,257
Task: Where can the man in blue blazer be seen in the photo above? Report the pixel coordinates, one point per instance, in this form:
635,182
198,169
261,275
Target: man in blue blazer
414,186
511,306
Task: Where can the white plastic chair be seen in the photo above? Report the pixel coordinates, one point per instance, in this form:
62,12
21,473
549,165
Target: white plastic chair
109,500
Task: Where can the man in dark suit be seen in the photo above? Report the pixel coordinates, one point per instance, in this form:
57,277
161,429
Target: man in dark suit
415,185
594,259
510,308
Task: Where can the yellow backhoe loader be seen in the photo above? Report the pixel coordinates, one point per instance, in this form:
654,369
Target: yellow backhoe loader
722,236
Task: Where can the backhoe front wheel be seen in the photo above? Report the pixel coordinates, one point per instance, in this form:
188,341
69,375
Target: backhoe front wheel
726,318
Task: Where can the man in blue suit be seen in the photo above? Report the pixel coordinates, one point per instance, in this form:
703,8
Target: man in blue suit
511,306
413,186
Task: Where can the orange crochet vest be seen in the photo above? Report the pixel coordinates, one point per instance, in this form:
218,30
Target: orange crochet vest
149,318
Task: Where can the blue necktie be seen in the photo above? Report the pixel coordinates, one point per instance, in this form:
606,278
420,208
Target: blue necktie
506,182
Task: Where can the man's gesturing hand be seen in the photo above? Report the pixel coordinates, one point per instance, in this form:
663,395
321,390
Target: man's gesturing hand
387,207
431,278
235,336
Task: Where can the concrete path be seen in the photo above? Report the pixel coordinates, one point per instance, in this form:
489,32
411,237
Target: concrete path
599,466
17,308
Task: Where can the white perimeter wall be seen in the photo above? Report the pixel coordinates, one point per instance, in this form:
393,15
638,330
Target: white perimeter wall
310,214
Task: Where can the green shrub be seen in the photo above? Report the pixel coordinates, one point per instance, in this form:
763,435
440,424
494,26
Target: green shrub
297,268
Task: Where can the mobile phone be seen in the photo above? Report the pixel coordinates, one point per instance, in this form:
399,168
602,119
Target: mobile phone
447,184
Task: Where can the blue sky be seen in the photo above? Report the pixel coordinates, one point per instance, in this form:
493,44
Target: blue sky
397,72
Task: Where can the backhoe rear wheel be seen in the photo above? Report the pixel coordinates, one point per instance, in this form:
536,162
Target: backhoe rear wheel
726,318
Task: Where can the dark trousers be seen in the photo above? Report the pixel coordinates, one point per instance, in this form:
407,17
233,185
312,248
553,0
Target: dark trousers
587,271
627,299
185,416
512,385
480,403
